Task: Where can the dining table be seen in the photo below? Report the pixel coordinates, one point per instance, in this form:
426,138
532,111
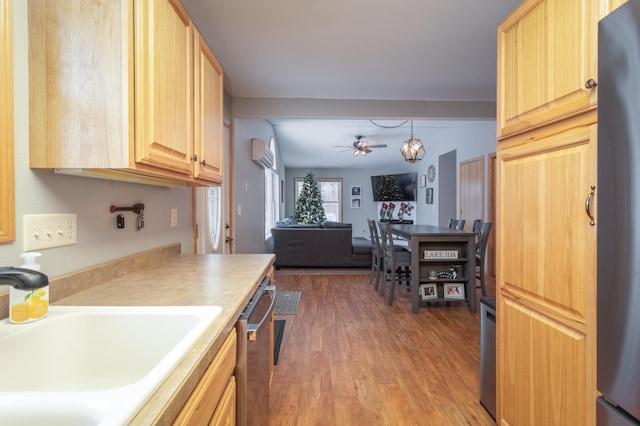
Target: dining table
435,247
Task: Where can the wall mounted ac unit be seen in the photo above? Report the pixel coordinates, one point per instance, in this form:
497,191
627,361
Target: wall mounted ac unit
261,154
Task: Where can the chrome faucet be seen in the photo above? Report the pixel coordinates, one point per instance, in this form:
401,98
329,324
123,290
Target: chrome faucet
22,279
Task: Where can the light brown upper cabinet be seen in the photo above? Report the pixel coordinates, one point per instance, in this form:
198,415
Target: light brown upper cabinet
208,113
111,87
7,188
547,68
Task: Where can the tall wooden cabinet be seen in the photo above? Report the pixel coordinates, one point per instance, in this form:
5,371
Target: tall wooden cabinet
547,218
114,91
546,277
7,191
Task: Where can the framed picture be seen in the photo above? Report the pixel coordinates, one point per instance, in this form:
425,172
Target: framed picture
428,291
454,291
355,191
423,181
429,196
356,203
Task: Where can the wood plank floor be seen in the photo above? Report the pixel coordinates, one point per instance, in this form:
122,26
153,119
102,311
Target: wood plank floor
348,358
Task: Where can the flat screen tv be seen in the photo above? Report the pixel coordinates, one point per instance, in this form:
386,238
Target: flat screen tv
399,187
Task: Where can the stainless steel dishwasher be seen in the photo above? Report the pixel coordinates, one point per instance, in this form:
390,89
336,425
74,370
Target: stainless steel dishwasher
254,357
488,354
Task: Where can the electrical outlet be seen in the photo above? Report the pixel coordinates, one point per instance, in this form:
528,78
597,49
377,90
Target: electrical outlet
174,218
43,231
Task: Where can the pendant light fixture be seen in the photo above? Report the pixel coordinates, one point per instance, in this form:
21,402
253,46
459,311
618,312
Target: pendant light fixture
412,149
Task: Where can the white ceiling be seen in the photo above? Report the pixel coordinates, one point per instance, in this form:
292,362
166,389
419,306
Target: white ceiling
406,50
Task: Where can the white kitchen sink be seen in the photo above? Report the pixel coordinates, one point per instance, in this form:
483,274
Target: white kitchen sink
92,365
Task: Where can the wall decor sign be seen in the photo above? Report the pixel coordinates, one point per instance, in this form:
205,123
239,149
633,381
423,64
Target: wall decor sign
423,181
440,254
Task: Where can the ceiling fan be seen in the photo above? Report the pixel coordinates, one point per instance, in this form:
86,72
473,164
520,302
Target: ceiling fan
360,147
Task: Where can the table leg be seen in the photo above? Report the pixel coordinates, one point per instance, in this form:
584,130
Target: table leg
471,274
415,278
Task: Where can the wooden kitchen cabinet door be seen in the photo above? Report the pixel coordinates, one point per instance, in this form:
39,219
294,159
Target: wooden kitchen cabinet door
225,414
111,89
164,85
546,276
542,370
208,114
7,186
547,53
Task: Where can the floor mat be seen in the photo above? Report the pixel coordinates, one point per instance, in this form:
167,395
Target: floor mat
286,302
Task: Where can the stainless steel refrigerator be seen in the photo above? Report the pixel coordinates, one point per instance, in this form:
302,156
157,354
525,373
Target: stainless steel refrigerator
618,198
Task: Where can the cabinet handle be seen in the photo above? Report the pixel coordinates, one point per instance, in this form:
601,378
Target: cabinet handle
194,157
590,84
587,205
203,162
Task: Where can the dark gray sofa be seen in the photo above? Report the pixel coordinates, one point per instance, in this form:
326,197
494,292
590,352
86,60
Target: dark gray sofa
329,245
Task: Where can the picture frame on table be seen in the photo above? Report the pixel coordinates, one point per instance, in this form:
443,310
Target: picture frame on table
356,203
423,181
429,196
428,291
356,191
454,291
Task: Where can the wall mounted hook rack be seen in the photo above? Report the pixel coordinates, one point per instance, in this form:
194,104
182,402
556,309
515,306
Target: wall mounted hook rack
136,208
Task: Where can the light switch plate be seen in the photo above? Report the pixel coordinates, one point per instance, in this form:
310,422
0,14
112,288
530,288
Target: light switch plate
174,218
43,231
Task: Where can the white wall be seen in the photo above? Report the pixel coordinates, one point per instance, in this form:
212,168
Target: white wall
470,139
40,191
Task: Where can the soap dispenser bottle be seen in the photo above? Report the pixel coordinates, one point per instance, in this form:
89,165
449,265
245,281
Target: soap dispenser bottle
28,304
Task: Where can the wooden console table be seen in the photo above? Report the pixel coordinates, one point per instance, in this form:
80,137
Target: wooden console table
439,242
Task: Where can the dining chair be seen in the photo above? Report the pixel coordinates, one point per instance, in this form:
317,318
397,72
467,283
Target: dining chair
376,254
482,229
395,261
457,224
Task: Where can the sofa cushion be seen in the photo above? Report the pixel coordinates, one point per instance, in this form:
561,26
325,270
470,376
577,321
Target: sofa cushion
361,245
329,224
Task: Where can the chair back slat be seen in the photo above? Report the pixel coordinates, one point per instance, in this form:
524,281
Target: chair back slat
457,224
373,233
482,229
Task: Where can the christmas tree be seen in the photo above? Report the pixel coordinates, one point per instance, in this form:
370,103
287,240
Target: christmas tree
309,207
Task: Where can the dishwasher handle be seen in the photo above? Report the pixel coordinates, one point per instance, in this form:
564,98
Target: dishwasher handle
252,329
